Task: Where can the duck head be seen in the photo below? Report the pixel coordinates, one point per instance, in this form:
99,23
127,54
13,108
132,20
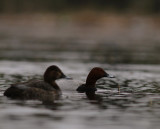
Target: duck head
53,73
95,74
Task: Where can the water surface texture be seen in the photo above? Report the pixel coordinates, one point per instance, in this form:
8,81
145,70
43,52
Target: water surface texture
136,106
127,47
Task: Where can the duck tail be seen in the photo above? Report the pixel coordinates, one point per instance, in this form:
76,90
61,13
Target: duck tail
13,92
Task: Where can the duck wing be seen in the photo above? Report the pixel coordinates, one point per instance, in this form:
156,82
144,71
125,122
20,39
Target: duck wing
40,85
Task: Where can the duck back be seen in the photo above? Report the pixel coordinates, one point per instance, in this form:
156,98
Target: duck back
39,90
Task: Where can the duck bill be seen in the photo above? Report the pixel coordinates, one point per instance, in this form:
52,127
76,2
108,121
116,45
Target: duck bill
65,77
69,78
109,76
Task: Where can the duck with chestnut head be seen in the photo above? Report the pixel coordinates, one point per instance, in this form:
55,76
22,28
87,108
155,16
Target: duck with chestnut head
90,86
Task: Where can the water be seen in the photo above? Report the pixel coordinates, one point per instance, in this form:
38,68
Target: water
29,44
136,106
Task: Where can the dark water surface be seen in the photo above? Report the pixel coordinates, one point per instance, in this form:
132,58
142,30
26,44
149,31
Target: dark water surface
137,106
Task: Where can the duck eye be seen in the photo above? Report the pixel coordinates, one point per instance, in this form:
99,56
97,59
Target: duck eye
59,75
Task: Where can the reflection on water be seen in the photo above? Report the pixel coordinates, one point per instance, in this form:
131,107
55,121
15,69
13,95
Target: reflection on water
137,105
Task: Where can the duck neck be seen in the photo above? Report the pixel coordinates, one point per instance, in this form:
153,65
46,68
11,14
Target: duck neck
54,84
91,81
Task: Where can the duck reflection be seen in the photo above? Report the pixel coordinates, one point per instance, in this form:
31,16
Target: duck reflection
93,96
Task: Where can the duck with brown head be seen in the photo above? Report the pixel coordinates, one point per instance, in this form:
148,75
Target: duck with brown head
95,74
44,90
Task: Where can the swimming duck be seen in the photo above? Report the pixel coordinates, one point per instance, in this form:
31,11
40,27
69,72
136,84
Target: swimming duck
89,87
44,90
70,85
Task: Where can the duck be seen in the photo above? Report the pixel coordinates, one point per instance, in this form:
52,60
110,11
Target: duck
69,86
89,87
48,89
43,90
